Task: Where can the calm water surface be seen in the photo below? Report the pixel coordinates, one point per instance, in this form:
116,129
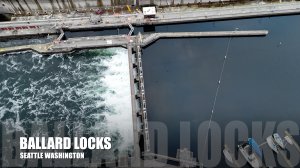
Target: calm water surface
260,80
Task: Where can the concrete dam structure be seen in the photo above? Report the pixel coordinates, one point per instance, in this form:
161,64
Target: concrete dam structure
46,6
53,20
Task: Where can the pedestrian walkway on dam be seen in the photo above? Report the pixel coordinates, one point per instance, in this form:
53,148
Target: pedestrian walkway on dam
45,26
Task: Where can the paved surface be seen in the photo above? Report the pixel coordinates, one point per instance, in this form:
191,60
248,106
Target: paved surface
146,40
51,25
49,6
121,40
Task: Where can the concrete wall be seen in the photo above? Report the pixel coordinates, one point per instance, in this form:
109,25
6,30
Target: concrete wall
26,6
50,5
174,2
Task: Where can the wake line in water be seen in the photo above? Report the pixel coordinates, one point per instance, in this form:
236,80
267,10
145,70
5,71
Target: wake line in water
90,86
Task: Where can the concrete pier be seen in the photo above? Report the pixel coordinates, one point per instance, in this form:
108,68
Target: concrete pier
142,113
122,41
155,36
136,127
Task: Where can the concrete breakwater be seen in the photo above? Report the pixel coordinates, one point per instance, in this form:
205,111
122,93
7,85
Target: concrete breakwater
122,41
52,25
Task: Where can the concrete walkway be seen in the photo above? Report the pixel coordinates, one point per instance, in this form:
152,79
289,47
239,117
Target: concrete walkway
50,26
122,41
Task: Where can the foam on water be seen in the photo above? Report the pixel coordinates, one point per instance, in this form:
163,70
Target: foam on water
91,87
118,96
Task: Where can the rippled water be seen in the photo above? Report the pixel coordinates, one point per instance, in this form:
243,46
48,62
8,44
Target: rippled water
260,81
89,87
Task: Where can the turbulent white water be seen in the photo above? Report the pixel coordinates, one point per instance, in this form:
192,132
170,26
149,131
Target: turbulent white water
118,96
89,90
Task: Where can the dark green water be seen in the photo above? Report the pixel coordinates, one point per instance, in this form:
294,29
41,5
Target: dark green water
87,90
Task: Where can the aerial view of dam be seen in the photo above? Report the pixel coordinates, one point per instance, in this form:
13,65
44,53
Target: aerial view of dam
149,83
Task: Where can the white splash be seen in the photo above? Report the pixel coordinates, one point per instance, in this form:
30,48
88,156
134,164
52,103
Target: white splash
111,84
118,96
